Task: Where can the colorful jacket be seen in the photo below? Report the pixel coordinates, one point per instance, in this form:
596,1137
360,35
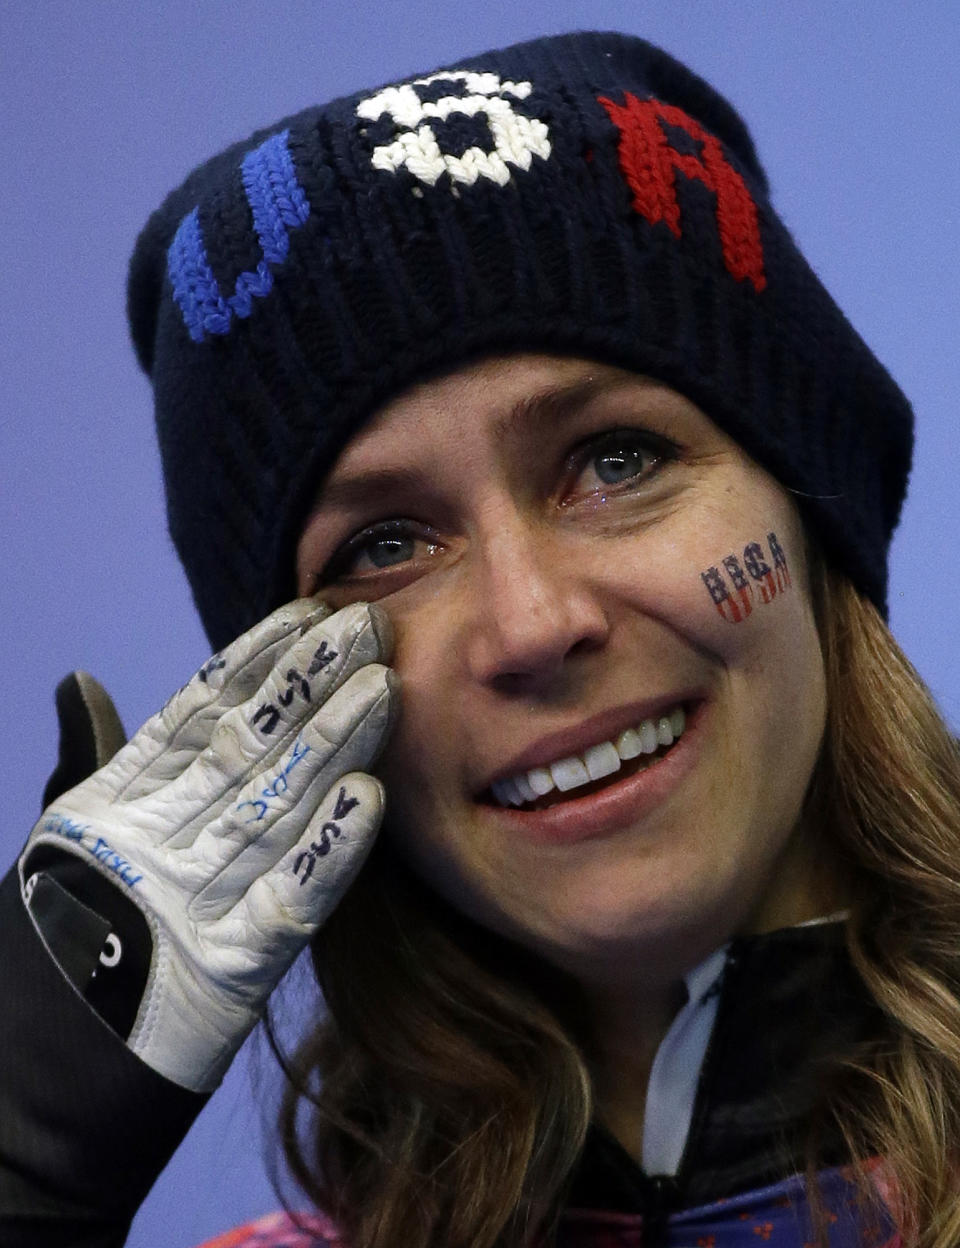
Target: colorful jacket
771,1217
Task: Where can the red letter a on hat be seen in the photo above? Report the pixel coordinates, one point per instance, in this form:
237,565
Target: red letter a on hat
649,164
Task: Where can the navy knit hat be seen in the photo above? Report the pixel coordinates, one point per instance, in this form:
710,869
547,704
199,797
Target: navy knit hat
583,194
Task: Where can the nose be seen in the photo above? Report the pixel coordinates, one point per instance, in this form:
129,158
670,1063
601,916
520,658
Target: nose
532,609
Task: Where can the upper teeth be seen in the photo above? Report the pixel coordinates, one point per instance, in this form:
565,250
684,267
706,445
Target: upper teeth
594,763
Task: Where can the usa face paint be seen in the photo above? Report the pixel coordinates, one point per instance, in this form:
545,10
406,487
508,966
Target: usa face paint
733,584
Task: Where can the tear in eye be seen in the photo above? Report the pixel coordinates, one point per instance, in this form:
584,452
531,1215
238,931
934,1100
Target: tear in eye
384,552
379,548
620,465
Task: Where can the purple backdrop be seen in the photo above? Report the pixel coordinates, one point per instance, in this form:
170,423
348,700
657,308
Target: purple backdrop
105,106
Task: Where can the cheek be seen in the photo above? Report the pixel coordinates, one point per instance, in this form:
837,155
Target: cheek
748,577
425,738
717,582
736,595
749,606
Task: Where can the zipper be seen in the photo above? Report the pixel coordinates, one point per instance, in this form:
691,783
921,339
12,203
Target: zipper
662,1197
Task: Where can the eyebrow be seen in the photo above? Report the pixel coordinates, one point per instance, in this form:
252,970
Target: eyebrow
544,408
350,491
553,404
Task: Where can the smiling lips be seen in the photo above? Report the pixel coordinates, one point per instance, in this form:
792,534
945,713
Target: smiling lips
649,738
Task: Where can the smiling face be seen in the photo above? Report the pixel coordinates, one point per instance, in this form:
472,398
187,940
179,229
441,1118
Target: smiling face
579,566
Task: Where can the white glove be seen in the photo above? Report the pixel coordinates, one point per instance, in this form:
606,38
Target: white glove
236,818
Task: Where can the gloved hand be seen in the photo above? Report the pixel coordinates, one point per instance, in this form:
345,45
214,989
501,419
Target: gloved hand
235,819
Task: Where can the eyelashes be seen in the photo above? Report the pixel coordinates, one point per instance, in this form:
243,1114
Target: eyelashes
627,456
616,462
386,544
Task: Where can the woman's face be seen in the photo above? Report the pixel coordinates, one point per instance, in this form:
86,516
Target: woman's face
569,551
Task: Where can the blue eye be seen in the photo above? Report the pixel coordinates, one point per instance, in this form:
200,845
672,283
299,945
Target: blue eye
389,544
383,552
616,466
624,455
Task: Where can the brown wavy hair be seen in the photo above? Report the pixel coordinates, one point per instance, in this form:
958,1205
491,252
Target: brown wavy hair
448,1087
888,787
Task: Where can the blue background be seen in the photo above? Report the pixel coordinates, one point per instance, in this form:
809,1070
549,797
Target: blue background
106,106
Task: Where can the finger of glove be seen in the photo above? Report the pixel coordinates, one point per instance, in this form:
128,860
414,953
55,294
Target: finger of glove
209,1002
252,738
169,741
289,902
311,671
272,811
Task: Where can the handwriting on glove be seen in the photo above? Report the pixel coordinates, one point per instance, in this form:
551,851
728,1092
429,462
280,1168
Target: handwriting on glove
236,818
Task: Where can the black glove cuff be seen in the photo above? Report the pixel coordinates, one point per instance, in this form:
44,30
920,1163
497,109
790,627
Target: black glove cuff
97,936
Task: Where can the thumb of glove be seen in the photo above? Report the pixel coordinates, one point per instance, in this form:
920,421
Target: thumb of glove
90,732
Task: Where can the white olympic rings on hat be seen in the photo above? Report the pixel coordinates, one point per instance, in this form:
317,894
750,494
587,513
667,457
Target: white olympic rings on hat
517,138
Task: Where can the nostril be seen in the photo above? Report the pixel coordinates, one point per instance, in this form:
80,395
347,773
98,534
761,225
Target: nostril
512,683
586,645
540,667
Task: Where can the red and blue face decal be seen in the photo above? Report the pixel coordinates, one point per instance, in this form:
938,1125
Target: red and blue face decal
758,571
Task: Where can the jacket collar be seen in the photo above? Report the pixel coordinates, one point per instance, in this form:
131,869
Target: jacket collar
790,1004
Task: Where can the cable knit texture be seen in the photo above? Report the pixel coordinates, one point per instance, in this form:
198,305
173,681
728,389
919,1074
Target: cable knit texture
581,194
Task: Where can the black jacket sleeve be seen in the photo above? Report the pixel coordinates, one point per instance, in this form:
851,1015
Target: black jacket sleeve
85,1126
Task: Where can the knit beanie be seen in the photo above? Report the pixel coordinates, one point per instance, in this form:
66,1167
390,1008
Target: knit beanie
584,194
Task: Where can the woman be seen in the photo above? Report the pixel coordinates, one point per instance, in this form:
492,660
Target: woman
657,943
